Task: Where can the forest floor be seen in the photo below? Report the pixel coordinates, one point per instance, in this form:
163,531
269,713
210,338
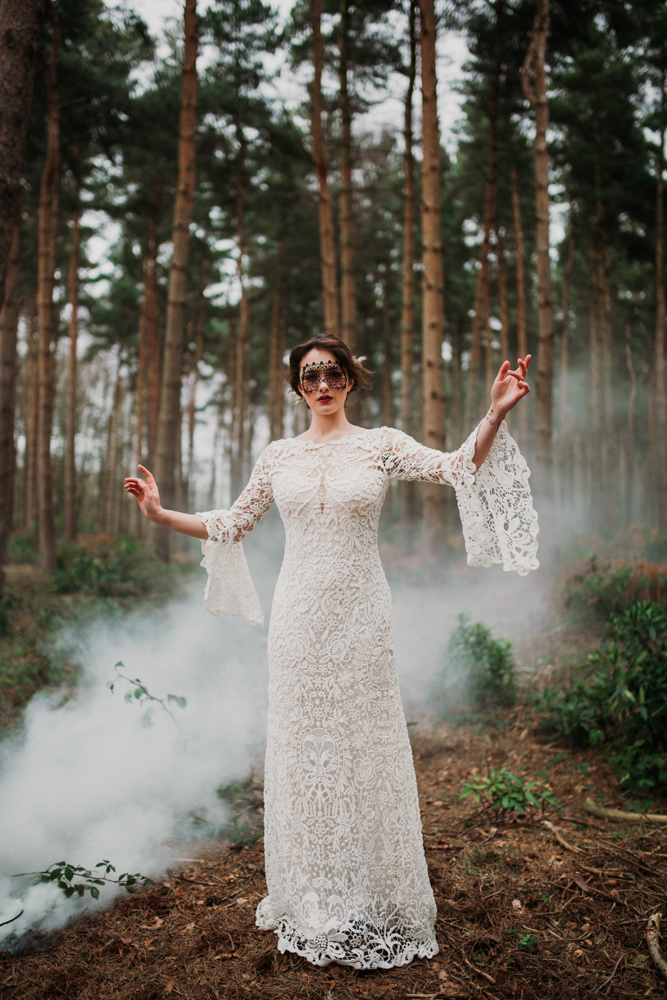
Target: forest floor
520,914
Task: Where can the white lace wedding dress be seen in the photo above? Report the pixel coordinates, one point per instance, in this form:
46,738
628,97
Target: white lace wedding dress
345,864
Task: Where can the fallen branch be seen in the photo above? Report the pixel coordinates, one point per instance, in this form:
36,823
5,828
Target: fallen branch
560,838
607,981
12,919
652,940
620,816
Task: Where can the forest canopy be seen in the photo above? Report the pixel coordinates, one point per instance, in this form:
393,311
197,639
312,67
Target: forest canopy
172,227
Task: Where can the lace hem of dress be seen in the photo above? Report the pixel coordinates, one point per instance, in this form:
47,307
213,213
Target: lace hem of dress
497,516
356,943
229,587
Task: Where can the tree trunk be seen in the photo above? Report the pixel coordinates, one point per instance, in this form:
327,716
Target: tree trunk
483,292
153,353
239,433
194,376
537,97
432,289
502,299
387,417
31,418
47,233
325,208
348,298
565,423
407,491
660,463
20,43
170,392
70,454
630,430
9,318
277,351
521,339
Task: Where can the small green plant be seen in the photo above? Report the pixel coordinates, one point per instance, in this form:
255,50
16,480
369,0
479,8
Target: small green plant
478,669
75,879
504,792
118,569
139,692
622,697
524,941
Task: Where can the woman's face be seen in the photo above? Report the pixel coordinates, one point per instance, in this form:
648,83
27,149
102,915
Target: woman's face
324,383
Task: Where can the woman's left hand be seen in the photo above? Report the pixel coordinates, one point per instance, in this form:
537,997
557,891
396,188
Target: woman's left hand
510,386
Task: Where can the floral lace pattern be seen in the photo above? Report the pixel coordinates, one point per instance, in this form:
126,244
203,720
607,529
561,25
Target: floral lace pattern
345,864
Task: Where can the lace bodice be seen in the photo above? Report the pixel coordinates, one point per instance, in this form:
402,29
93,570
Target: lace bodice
495,503
345,863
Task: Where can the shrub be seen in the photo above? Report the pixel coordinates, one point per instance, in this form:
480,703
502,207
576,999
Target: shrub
601,590
505,792
478,669
125,568
622,697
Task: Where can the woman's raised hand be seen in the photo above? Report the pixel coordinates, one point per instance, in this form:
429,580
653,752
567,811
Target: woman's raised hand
146,493
510,386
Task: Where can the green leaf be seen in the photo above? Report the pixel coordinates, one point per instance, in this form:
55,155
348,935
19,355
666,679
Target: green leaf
94,892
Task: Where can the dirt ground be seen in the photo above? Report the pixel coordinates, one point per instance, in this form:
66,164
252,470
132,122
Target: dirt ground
520,915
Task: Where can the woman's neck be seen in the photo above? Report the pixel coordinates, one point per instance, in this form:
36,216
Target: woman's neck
326,427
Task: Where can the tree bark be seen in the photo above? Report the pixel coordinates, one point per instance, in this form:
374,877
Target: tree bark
348,297
31,419
70,442
9,318
502,299
169,425
432,288
20,24
565,339
521,339
47,233
325,207
387,408
194,375
276,352
483,292
536,95
407,491
660,463
241,368
152,348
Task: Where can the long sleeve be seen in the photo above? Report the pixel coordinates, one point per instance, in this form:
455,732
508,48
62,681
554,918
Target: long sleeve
495,502
229,588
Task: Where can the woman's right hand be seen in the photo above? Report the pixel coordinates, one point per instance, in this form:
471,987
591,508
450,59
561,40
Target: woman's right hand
146,493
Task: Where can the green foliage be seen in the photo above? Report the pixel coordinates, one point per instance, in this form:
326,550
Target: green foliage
478,669
138,692
505,792
622,697
601,590
245,800
121,569
74,879
524,941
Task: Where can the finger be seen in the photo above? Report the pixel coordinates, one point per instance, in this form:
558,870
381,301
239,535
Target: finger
502,372
148,475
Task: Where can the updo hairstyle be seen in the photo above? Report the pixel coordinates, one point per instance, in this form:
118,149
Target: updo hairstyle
353,368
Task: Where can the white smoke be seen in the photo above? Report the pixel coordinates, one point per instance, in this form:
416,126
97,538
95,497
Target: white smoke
98,778
86,779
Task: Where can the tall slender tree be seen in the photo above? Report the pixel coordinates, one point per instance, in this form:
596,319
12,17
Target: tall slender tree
433,388
169,424
9,317
534,80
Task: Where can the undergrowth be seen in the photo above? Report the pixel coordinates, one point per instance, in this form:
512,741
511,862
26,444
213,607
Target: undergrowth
602,589
620,698
478,670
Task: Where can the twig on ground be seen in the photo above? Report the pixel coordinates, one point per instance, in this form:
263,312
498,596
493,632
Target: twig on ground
560,838
652,940
607,981
620,816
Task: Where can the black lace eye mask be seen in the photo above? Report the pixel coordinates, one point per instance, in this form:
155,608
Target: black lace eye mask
312,376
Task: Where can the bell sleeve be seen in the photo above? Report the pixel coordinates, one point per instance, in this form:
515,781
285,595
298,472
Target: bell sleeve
495,502
229,588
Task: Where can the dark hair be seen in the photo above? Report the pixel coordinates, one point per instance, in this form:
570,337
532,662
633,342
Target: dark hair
352,366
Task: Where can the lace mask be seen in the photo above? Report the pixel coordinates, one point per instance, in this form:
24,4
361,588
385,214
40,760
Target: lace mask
312,376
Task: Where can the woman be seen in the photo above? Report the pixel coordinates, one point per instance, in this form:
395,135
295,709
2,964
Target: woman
345,864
